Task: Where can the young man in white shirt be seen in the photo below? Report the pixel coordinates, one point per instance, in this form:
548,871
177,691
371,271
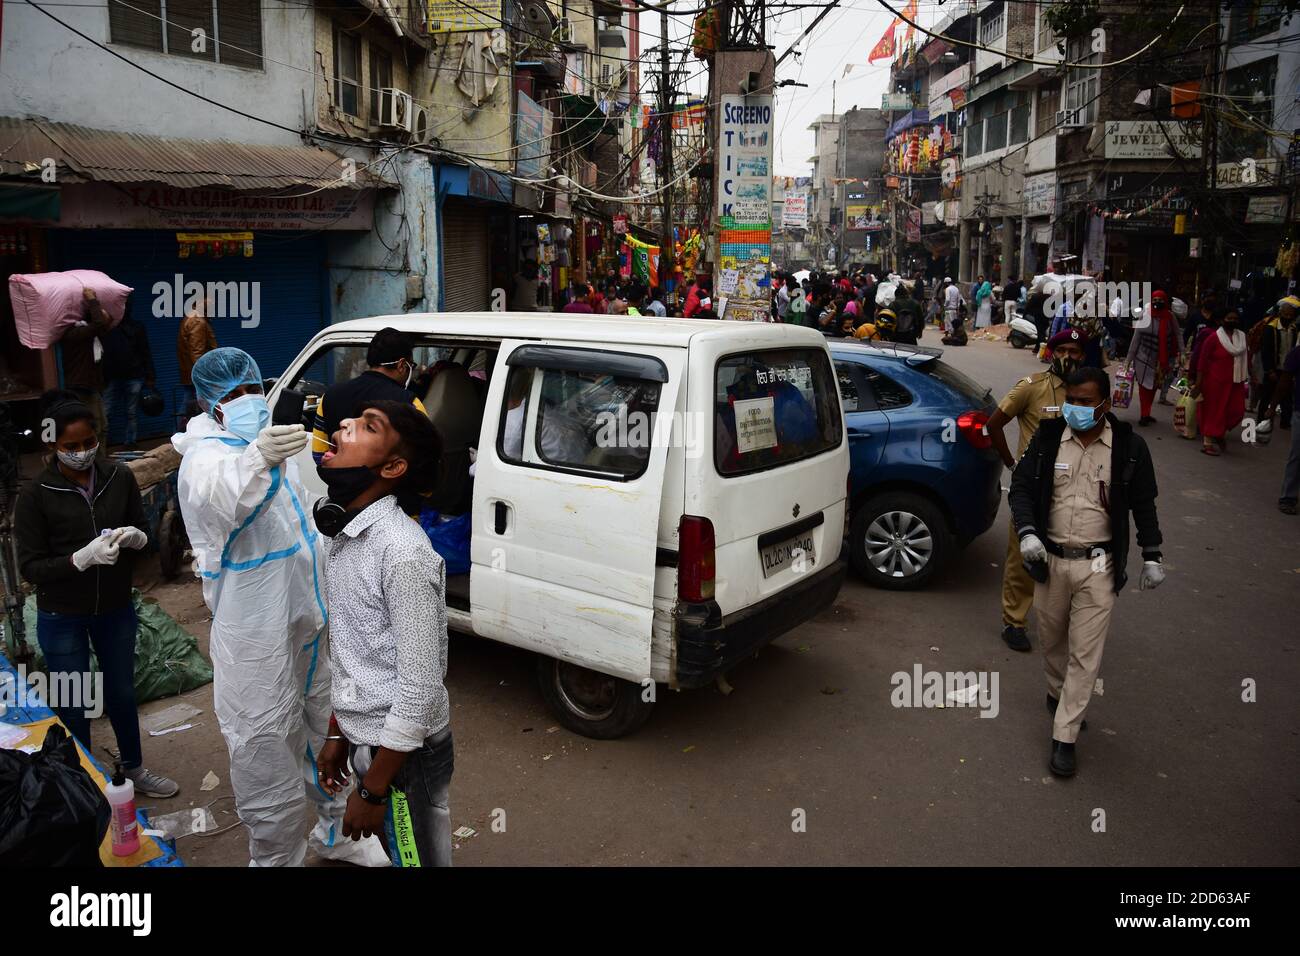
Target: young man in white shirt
385,588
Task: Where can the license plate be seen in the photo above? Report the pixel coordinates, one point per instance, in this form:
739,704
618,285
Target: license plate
777,557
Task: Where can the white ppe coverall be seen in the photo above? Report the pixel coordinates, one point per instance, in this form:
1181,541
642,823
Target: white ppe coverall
259,556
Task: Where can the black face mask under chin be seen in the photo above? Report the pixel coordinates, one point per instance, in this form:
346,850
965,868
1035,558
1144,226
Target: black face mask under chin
345,486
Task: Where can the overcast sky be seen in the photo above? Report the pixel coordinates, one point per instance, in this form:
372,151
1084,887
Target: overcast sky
845,37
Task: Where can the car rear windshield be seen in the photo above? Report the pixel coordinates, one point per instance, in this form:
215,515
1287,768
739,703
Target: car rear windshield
772,408
960,382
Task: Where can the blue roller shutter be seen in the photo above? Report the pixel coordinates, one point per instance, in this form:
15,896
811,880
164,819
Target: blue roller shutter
289,267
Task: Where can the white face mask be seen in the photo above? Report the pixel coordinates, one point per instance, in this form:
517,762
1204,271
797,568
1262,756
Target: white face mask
78,460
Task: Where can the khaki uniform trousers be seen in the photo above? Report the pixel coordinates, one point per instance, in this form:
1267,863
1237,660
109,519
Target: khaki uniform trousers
1017,585
1073,608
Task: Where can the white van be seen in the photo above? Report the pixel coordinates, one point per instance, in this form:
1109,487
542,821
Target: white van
653,501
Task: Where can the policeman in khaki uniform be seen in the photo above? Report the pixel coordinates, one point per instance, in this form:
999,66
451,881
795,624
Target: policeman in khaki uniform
1071,496
1033,399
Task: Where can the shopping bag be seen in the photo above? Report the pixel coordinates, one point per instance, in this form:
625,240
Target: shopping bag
1185,417
1123,394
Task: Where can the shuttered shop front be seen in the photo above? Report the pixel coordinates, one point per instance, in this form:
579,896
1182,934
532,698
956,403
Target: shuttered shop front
465,255
276,304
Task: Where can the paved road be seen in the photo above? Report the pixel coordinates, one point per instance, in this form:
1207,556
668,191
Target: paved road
1184,770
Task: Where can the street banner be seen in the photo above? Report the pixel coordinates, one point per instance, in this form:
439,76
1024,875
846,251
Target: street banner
452,16
744,207
795,215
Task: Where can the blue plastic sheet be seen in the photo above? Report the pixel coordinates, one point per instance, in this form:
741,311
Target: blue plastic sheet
449,537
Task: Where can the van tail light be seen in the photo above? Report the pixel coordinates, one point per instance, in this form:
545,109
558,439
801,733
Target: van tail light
696,559
972,426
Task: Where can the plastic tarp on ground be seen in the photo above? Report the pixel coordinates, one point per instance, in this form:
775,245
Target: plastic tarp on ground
167,658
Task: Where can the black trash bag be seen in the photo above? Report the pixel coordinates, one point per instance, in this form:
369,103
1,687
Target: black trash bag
51,811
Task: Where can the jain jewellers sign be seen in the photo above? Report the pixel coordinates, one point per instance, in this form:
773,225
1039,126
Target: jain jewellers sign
1142,139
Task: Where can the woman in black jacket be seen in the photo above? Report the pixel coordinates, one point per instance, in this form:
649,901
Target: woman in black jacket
78,526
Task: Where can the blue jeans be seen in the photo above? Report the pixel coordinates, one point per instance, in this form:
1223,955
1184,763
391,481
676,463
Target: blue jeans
65,641
417,821
124,391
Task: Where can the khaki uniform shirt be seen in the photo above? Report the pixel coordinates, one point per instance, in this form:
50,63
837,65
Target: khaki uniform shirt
1030,400
1080,485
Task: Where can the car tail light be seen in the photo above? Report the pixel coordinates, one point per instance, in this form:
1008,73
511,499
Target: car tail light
696,561
972,426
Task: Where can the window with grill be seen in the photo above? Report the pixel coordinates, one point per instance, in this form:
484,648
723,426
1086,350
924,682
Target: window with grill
1250,91
1049,98
347,73
993,23
1082,83
231,29
1256,18
1020,118
381,78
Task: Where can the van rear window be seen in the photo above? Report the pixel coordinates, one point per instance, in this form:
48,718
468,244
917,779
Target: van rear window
772,408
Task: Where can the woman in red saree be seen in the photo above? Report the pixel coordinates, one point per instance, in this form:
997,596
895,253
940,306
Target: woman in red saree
1221,374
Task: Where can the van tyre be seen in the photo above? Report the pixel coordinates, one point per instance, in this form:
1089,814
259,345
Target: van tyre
590,703
898,540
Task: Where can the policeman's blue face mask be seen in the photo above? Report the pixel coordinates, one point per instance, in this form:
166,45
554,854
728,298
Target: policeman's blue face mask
245,416
1080,418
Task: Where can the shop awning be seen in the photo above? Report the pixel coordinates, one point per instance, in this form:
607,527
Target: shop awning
917,117
33,203
93,155
583,115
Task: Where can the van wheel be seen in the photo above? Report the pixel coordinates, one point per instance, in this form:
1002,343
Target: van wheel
590,703
898,541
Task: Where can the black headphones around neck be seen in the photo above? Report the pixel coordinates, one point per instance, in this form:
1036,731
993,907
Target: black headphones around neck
331,518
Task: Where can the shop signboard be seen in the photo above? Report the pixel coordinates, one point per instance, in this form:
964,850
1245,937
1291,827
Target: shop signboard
1266,209
1147,139
156,206
1040,194
452,16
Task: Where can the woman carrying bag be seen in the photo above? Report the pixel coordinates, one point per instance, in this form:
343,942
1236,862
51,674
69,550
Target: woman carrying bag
1153,353
78,528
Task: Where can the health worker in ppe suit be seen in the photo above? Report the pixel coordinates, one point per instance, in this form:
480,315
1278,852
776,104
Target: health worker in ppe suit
260,559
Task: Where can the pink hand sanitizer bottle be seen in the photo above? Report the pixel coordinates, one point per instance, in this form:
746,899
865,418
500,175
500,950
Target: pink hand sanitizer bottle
121,799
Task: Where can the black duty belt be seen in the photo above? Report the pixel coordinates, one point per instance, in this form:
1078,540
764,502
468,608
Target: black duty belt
1063,552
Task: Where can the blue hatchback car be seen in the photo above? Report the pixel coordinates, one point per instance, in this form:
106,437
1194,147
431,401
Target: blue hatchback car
924,480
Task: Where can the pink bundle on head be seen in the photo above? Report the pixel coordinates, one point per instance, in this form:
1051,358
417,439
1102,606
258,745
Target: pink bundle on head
47,303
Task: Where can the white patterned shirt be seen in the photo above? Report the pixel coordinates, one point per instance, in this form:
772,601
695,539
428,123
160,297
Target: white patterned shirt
385,587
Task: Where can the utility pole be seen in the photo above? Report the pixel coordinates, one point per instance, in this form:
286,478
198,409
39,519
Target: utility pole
666,109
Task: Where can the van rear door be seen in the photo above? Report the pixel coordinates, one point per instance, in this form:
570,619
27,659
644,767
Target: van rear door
567,495
773,477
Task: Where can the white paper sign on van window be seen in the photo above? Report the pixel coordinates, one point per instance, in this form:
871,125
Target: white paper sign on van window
755,424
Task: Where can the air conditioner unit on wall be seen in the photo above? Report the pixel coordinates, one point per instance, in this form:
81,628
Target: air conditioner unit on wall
395,109
1069,120
420,125
564,31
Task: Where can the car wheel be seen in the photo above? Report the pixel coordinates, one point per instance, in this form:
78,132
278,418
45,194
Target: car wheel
898,541
590,703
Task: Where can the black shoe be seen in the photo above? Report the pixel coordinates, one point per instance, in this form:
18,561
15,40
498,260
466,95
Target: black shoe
1286,507
1146,420
1062,762
1016,637
1051,709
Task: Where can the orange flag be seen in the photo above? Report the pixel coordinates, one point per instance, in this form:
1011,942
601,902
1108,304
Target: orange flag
885,48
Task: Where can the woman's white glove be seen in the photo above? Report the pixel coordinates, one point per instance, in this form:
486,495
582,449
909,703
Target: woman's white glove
134,538
1153,575
1032,549
279,442
103,550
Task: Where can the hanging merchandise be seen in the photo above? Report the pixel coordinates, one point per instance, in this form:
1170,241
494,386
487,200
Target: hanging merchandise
543,232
